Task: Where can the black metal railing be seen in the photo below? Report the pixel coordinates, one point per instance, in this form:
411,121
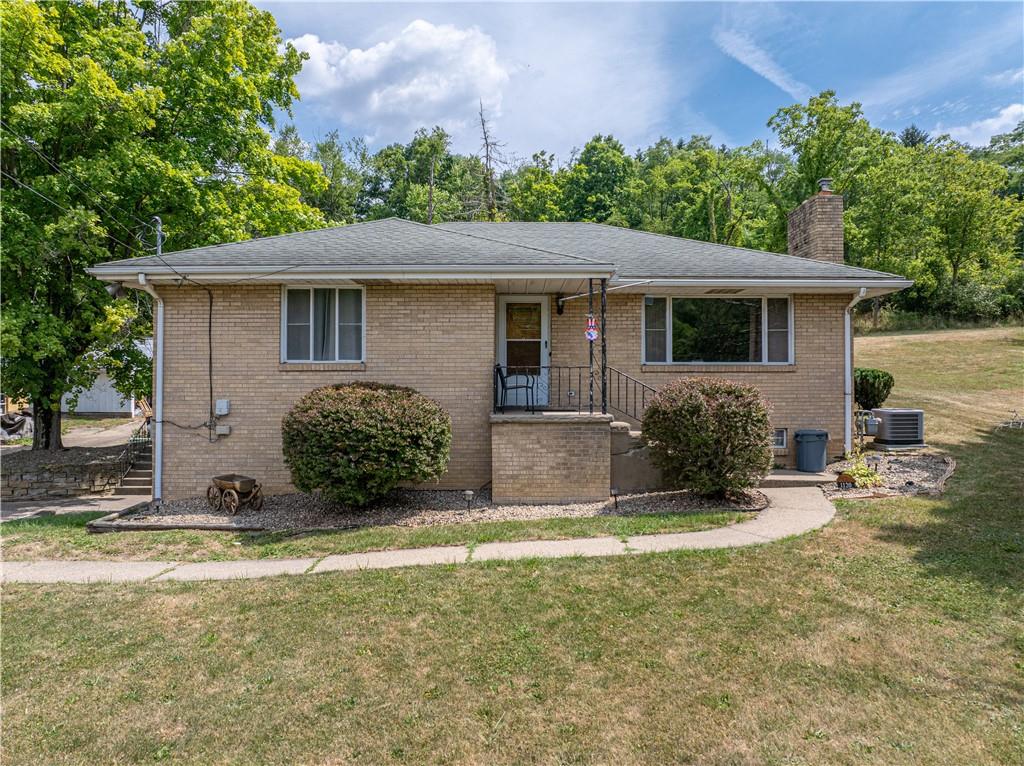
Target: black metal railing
628,395
140,441
548,388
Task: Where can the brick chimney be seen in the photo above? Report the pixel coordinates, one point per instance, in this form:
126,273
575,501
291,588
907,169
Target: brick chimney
815,229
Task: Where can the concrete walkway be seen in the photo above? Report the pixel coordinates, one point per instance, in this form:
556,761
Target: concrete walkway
12,510
793,511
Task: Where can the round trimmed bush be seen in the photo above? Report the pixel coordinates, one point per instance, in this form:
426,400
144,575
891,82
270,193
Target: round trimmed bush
356,442
708,435
871,387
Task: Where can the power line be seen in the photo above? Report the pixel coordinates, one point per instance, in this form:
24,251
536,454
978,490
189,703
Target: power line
56,166
23,185
156,229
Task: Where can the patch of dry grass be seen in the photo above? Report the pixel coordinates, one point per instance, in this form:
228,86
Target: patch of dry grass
893,636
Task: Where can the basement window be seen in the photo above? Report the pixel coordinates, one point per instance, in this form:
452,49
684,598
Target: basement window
717,330
322,324
779,438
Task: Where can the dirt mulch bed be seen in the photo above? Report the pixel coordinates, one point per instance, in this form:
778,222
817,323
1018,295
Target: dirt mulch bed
24,460
411,508
903,473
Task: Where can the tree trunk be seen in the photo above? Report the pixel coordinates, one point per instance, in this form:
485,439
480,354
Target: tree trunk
876,310
46,427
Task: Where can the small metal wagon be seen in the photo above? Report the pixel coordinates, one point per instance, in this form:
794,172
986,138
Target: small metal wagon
231,491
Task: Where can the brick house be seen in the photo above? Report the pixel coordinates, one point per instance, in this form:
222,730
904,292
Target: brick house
469,314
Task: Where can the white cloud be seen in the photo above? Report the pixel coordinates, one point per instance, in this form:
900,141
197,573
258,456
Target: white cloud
426,74
979,132
1005,78
550,76
588,70
741,46
943,69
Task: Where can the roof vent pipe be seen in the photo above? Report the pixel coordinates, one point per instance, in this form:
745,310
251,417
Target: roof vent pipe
825,184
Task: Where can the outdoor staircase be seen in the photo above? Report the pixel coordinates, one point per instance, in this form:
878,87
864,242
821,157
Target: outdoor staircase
139,479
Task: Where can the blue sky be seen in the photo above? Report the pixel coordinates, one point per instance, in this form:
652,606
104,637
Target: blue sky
551,76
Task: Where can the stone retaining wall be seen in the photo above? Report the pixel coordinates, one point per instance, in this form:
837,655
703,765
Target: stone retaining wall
61,481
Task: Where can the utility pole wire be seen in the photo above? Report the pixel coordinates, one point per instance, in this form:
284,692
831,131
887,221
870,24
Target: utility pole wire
74,180
26,187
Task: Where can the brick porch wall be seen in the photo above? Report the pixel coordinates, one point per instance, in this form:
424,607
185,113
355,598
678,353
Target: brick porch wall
436,339
807,394
550,458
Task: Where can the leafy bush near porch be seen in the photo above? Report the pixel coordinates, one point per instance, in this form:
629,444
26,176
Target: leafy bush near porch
356,442
871,387
708,435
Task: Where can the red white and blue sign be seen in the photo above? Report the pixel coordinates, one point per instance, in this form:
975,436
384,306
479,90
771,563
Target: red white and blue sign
592,331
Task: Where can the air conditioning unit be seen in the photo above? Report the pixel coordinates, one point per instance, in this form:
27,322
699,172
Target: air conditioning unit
899,428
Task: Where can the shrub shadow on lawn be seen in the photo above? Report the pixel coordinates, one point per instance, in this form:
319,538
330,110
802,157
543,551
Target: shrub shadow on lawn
976,529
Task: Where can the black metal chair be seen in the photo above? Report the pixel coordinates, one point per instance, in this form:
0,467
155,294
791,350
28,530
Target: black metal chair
528,385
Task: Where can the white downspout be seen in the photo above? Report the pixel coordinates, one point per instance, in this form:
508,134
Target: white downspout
158,388
848,370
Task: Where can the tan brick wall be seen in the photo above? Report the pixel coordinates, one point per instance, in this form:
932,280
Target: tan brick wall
550,459
807,394
437,339
815,229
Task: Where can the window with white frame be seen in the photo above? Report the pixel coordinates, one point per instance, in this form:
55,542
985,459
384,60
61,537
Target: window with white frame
717,330
779,438
322,324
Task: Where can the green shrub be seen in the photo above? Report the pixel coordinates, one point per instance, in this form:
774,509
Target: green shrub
356,442
871,387
708,435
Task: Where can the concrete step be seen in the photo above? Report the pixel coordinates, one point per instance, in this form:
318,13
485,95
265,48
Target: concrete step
147,490
137,473
139,482
788,478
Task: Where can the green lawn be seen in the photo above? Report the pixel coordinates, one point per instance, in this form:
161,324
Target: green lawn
893,636
65,537
69,422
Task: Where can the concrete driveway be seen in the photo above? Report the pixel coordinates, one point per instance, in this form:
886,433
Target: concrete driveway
101,437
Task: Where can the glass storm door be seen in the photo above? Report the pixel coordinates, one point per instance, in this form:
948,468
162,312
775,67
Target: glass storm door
523,347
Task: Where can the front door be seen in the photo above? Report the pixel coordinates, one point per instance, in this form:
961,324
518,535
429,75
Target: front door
524,329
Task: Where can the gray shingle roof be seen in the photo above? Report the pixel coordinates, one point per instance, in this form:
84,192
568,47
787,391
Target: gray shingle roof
391,242
645,255
394,243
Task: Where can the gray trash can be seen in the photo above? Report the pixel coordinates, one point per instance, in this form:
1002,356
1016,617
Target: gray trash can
811,446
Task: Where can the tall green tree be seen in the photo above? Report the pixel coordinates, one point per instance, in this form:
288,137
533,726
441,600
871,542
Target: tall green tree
912,136
334,193
594,183
934,214
534,191
114,113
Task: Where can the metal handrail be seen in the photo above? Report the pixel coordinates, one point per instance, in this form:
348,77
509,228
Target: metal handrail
137,443
564,388
628,395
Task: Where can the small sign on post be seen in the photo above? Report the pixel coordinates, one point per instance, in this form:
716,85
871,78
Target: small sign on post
592,332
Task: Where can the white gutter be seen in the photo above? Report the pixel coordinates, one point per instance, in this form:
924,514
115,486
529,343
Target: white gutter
895,283
304,273
158,388
848,370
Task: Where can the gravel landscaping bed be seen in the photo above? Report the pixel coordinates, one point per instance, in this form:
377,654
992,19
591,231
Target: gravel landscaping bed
903,473
415,508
